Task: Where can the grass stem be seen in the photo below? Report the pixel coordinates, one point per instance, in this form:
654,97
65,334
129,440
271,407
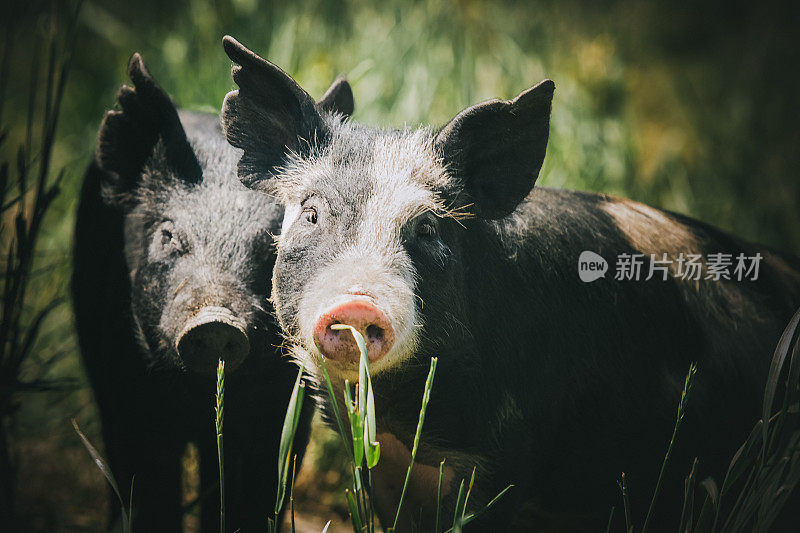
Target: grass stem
687,389
220,409
426,396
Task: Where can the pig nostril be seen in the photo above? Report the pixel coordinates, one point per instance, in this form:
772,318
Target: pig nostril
213,334
374,333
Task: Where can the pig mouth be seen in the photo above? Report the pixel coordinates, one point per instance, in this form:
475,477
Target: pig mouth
213,333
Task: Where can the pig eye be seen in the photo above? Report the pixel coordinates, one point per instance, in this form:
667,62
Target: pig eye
310,214
426,229
166,242
170,242
166,237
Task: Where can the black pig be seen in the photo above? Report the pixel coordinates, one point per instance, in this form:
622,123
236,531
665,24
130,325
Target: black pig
172,265
545,381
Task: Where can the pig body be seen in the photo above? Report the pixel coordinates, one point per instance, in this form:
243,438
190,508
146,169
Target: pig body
172,268
433,244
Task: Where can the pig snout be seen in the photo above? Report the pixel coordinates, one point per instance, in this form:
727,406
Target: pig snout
213,333
339,345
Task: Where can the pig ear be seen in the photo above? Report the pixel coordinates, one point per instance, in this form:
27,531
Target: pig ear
268,116
129,135
496,148
338,99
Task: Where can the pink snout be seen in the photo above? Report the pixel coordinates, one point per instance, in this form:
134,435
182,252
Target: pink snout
340,345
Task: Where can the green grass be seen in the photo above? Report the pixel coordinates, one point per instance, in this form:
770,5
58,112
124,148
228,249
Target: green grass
290,423
426,396
366,450
220,417
763,472
102,465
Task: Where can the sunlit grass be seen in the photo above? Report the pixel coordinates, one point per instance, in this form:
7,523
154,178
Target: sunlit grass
288,431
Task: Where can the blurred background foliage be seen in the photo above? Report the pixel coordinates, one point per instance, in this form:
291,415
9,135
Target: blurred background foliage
690,107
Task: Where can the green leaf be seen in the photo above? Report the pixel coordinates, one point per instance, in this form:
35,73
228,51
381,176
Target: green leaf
355,516
365,404
290,423
356,428
781,352
458,516
105,469
469,490
332,396
472,516
744,457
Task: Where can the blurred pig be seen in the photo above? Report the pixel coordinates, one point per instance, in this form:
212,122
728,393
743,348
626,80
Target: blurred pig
172,266
433,243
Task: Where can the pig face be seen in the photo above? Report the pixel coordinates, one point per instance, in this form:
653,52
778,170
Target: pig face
198,244
375,220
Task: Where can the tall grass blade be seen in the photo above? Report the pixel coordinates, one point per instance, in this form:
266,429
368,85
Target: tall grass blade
106,470
705,522
459,511
687,390
472,516
357,446
469,490
687,513
713,495
781,352
743,457
426,396
355,515
610,519
743,460
356,428
335,404
339,423
790,398
220,409
366,400
290,423
291,489
623,487
439,496
130,506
